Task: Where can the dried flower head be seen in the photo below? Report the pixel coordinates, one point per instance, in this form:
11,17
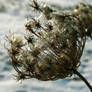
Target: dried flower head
54,47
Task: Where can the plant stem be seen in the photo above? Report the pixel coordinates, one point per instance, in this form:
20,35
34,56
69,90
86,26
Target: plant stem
82,78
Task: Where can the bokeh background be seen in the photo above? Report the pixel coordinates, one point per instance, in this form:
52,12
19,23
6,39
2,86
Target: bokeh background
13,16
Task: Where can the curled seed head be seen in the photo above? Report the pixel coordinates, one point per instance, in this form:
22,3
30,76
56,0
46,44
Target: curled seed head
57,46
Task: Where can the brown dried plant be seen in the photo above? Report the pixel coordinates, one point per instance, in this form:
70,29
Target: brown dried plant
54,45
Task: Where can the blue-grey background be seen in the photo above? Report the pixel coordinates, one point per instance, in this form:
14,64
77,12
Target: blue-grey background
13,15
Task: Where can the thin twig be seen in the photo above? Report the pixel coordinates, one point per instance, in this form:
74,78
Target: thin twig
82,78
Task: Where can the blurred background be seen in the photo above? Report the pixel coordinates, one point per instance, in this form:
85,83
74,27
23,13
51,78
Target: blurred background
13,16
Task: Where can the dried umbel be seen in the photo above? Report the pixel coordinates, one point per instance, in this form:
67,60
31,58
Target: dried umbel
53,46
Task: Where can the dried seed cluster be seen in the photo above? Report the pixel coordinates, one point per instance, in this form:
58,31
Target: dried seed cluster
84,13
54,45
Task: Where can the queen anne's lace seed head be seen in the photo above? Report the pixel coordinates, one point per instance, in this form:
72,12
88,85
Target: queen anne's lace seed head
54,47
